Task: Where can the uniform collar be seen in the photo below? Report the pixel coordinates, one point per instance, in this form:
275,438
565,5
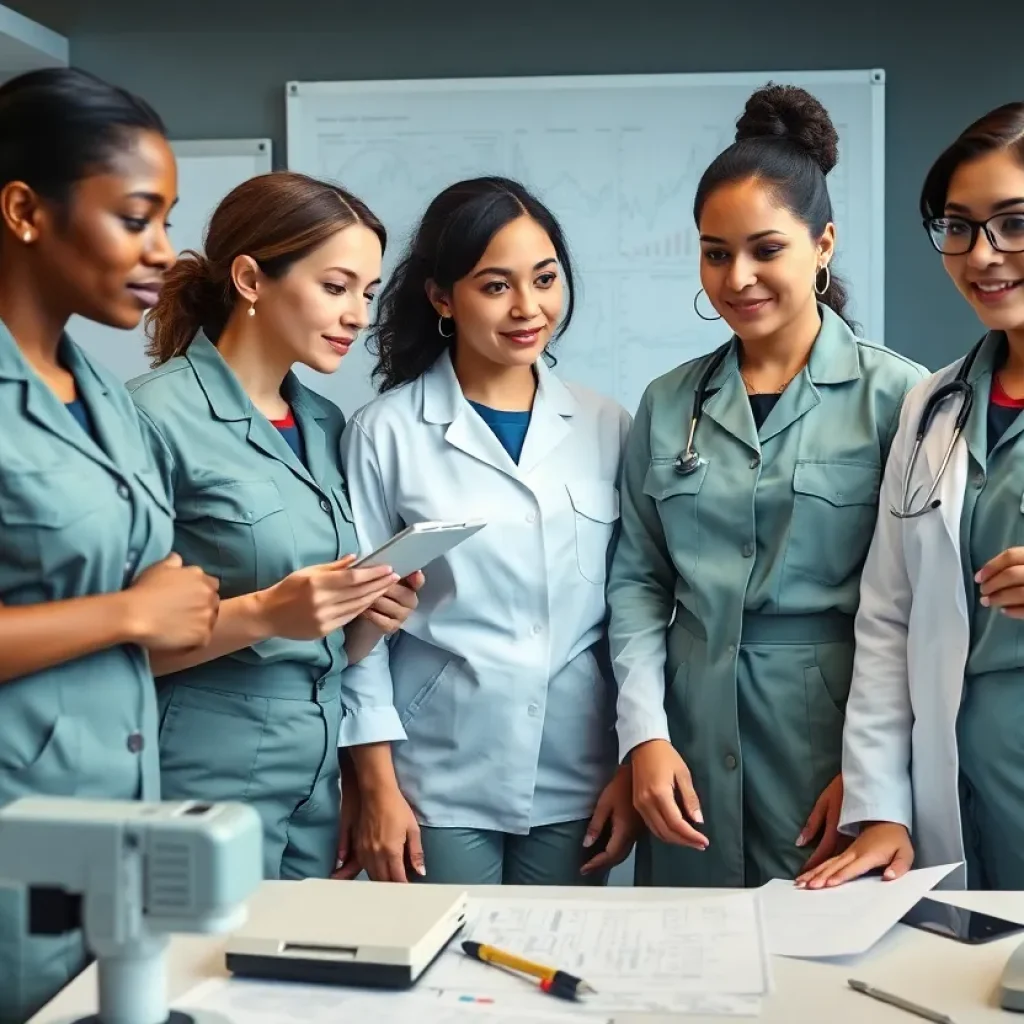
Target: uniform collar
223,390
834,357
443,399
228,399
14,365
991,356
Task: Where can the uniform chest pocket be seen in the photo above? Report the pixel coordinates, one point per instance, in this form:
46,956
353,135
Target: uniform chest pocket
595,506
676,495
238,532
835,505
53,522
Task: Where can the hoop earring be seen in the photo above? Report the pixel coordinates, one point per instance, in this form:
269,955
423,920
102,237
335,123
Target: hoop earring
828,280
440,327
699,313
252,308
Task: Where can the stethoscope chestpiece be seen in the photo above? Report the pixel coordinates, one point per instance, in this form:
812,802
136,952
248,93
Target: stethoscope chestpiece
687,463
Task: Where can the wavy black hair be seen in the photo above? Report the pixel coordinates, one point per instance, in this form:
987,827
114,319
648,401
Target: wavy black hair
450,240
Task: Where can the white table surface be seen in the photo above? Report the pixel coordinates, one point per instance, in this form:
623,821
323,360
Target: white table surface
959,980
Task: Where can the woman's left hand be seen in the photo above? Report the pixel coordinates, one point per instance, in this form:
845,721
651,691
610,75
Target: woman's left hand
390,612
824,819
615,806
1001,583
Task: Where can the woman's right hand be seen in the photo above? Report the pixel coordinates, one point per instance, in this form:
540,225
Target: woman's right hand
661,782
173,606
387,829
883,844
310,603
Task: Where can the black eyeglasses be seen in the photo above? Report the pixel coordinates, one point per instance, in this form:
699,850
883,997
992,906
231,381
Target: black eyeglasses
956,236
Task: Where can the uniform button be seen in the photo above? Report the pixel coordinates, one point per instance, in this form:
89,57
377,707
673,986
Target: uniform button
534,710
537,630
748,550
123,492
532,517
325,504
732,648
136,742
730,761
755,462
978,480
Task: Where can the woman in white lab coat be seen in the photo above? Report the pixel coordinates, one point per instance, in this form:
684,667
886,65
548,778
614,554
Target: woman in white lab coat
501,681
934,743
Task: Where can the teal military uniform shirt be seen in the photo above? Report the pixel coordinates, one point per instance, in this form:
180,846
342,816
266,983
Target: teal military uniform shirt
80,515
261,724
991,723
733,590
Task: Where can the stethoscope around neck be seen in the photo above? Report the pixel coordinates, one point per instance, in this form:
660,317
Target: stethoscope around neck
961,386
688,459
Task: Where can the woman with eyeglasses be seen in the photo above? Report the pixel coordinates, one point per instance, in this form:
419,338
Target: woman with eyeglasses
933,757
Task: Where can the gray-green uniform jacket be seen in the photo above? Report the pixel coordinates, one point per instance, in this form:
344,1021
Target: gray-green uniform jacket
78,517
260,725
732,592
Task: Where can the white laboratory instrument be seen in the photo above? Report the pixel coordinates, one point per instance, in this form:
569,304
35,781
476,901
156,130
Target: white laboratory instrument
131,874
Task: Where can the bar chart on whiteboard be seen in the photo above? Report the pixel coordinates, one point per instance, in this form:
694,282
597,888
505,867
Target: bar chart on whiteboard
617,160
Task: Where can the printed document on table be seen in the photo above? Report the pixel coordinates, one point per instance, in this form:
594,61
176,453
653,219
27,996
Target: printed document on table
635,948
243,1001
842,921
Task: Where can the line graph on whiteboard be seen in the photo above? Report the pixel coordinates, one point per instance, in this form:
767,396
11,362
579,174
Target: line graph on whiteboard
619,168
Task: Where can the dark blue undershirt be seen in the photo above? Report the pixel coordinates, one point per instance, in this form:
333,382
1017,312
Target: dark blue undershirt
289,430
761,406
509,427
78,409
1002,413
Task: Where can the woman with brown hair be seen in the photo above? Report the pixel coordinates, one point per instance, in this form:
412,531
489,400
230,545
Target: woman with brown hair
252,461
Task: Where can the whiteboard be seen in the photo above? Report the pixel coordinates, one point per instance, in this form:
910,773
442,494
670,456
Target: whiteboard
617,159
207,171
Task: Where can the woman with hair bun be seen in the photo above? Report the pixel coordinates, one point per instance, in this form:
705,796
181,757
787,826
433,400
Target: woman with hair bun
735,579
251,458
89,586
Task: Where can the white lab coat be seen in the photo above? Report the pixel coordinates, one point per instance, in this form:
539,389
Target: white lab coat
497,679
900,760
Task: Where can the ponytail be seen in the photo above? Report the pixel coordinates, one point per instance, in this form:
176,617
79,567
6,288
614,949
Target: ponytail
191,301
276,219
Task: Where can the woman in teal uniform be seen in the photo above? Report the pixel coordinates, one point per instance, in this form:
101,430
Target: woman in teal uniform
934,746
252,460
88,584
734,582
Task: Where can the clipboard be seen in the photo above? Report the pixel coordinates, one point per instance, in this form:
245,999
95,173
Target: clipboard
418,545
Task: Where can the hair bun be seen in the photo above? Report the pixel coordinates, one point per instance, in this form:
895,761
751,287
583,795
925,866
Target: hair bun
789,112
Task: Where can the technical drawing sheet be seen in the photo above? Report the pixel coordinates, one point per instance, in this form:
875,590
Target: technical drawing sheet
671,954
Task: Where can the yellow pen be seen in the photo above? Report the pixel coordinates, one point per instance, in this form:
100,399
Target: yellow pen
554,982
